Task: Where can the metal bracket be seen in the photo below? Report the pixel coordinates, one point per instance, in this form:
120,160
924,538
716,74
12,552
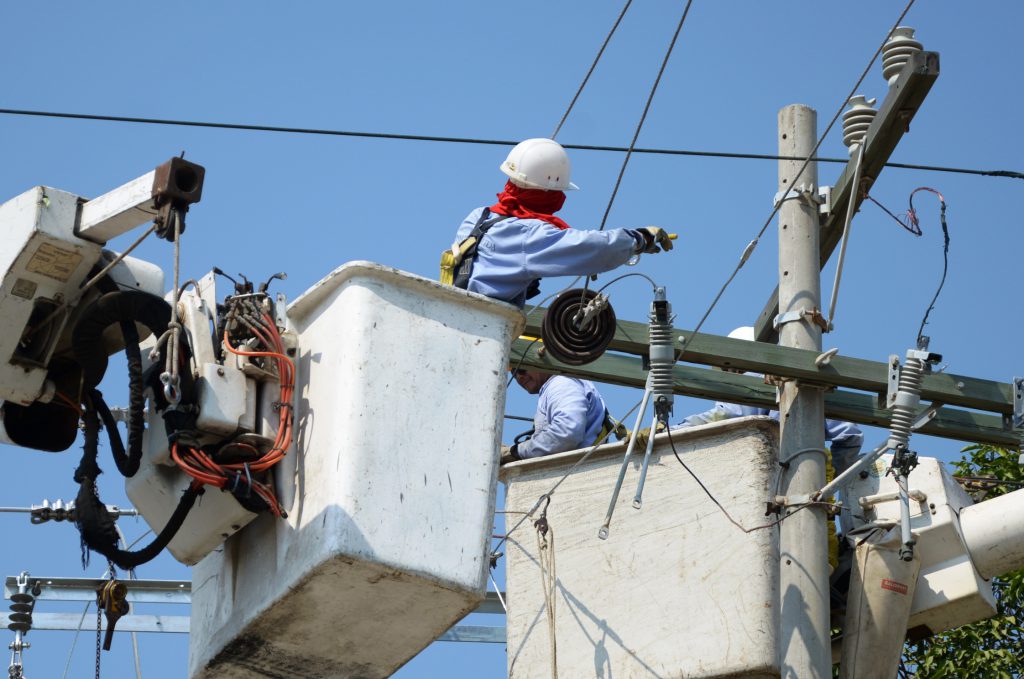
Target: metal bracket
806,192
926,416
825,200
893,380
814,315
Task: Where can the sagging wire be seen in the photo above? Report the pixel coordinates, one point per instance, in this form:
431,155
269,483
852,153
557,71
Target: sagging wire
724,511
639,127
590,71
627,275
910,221
807,161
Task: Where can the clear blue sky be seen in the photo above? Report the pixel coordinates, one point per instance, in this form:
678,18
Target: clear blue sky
304,204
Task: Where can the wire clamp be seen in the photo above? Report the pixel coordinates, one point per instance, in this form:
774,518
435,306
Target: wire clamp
806,192
814,315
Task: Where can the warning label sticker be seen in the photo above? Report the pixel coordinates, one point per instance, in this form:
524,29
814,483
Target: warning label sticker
54,262
894,586
24,288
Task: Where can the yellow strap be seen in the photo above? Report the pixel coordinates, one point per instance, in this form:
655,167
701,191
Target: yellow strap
450,260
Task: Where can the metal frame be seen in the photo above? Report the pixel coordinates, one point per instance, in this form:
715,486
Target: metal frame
180,592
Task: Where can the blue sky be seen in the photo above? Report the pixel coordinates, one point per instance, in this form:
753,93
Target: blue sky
306,204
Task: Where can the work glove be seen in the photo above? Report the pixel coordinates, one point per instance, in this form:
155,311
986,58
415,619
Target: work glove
509,454
655,236
643,434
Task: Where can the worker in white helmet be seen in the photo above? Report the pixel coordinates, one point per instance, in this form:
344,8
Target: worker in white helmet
570,414
502,251
846,438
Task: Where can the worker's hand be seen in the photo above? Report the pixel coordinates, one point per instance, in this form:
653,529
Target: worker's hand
655,236
643,434
509,454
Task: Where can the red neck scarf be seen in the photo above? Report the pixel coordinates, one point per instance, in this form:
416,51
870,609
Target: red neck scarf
531,204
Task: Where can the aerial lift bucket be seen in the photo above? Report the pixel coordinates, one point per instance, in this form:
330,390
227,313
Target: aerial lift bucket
389,488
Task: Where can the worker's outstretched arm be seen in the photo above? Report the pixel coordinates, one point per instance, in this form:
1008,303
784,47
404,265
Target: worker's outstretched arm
550,252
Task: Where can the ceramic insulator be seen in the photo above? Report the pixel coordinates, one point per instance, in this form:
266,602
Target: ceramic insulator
897,51
857,120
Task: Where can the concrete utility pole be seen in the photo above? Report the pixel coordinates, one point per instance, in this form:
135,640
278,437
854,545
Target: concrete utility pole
803,543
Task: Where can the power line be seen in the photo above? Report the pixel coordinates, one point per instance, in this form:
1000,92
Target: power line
593,65
481,141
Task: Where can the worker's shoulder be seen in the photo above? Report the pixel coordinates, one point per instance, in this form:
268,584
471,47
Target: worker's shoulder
566,383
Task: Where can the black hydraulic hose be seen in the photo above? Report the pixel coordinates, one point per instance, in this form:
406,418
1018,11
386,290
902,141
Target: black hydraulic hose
114,307
96,525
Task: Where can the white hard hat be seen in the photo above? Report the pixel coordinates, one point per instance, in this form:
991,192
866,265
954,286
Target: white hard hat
539,164
744,332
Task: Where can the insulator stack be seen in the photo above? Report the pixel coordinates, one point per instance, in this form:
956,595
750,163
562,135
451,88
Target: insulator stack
662,353
857,120
897,52
908,397
21,612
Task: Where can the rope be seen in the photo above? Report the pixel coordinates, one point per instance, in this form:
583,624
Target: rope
807,161
592,67
548,580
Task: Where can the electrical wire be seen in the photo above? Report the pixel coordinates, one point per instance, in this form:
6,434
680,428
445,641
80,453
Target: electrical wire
910,221
590,71
912,216
547,496
728,155
794,182
718,504
643,116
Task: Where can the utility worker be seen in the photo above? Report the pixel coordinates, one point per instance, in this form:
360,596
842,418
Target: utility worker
570,414
846,438
503,251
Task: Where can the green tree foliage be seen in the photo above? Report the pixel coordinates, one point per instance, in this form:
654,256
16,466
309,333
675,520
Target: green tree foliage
992,648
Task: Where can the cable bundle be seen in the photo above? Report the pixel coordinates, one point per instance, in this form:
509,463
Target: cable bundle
239,467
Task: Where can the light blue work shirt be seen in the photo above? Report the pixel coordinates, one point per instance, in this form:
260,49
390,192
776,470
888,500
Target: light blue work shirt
515,252
846,437
570,415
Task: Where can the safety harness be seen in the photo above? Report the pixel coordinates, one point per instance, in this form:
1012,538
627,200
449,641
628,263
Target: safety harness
457,263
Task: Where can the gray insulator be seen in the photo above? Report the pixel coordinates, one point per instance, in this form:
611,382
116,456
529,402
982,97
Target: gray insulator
897,51
662,357
857,120
908,397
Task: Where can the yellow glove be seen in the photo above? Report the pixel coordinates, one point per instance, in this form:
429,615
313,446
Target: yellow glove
655,236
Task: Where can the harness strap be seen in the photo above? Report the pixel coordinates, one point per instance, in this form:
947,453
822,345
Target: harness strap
457,263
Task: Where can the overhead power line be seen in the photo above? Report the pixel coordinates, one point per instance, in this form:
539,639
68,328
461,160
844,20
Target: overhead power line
474,140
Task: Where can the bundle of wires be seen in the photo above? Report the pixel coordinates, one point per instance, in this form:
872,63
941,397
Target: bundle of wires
236,466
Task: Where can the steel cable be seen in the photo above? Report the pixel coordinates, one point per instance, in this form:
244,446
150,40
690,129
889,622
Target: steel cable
482,141
590,71
793,183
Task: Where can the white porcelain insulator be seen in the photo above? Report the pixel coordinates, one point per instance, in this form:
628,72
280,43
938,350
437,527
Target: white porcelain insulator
857,120
897,52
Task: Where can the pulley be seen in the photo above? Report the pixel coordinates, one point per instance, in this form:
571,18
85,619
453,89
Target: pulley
578,326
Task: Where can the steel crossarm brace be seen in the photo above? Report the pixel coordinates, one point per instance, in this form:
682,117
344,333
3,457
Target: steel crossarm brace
890,124
715,385
841,371
175,624
84,589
